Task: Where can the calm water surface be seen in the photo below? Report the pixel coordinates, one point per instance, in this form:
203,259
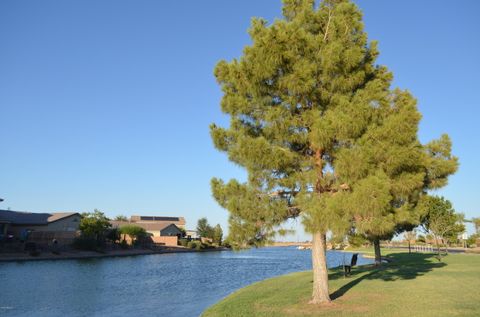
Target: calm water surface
182,284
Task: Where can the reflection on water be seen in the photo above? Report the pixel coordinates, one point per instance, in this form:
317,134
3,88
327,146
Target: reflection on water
181,284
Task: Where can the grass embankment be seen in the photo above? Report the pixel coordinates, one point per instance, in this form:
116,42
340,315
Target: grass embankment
411,285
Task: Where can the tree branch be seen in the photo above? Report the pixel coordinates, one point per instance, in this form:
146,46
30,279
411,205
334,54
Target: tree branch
328,24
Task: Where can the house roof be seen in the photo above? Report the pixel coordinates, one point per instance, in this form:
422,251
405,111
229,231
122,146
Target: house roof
152,226
146,219
31,218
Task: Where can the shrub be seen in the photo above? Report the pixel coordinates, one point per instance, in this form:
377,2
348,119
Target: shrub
183,242
197,245
471,241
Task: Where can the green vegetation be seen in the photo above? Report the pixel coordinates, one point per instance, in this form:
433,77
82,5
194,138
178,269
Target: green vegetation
412,285
197,245
472,240
217,235
205,230
322,135
121,218
94,224
441,220
476,223
136,233
94,229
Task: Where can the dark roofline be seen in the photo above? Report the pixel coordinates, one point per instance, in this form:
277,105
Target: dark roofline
172,224
21,218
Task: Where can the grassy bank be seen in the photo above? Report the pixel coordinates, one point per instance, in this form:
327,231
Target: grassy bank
411,285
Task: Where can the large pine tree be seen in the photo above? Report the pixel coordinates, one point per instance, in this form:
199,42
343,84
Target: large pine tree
319,131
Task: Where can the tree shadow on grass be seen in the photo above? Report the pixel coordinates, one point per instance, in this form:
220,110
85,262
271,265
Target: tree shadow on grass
403,266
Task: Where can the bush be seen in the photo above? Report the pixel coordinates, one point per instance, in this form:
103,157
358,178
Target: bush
183,242
197,245
471,241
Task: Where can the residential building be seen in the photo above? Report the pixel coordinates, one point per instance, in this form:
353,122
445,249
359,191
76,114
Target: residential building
163,230
22,225
191,234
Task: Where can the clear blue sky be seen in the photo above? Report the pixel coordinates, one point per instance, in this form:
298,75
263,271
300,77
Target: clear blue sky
106,104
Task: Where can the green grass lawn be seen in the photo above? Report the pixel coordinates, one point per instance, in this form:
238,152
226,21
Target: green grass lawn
411,285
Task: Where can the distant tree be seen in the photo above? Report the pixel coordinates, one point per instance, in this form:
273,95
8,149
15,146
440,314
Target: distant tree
94,225
440,219
476,223
472,239
217,234
121,218
204,229
135,232
410,236
184,232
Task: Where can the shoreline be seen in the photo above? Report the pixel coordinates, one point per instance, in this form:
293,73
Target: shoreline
79,255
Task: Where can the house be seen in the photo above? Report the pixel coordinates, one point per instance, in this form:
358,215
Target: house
163,230
191,234
37,226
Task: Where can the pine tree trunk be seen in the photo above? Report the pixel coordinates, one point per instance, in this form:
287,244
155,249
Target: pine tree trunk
378,254
320,275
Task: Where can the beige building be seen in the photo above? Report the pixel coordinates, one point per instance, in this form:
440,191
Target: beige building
177,221
163,230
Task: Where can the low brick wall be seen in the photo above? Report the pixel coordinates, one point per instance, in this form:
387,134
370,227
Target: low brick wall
166,240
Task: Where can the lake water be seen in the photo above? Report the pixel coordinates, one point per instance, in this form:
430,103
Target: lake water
170,285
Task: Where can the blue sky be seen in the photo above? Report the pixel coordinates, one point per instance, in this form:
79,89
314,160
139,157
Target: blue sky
106,104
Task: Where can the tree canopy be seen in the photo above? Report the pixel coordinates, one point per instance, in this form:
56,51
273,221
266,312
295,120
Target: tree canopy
476,224
321,133
440,219
135,232
204,229
94,225
217,234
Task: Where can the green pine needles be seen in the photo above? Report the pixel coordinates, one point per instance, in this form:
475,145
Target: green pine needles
321,133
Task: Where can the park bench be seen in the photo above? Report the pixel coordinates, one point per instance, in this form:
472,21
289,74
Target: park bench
353,262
